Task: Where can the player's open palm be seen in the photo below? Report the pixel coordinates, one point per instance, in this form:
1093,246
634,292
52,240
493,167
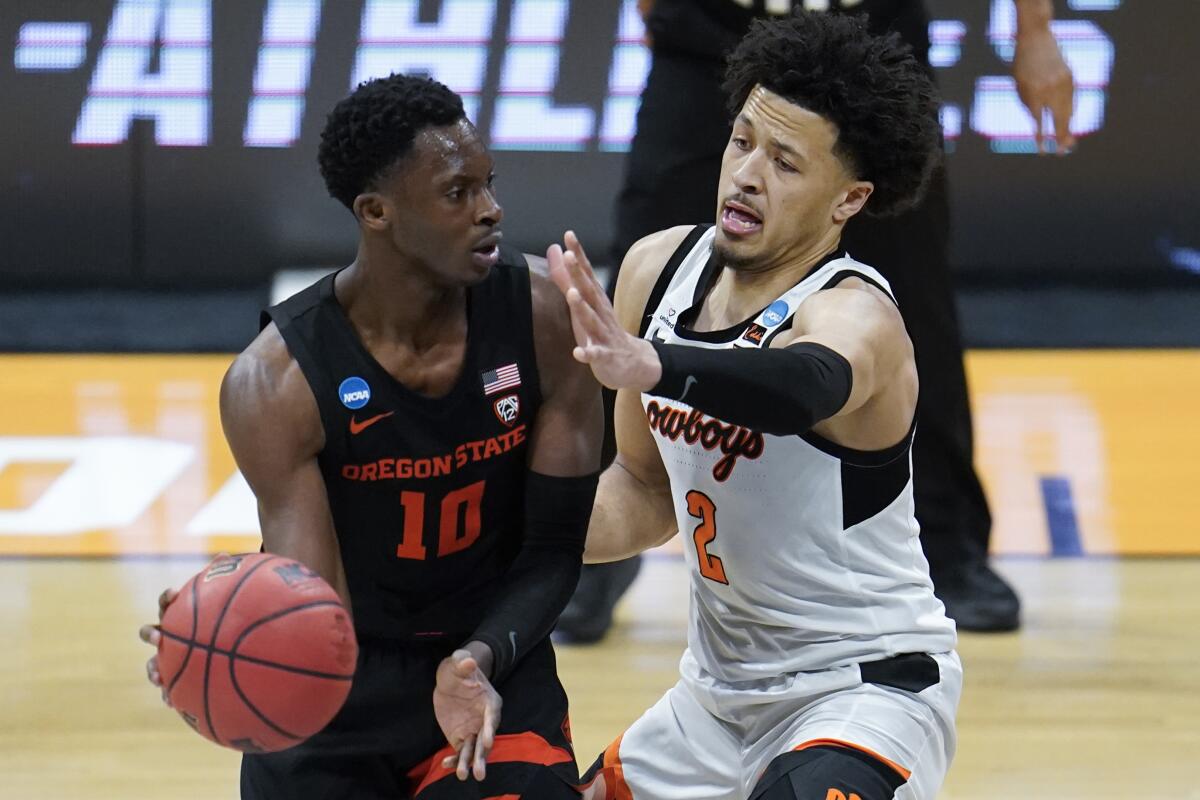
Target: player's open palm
467,708
618,359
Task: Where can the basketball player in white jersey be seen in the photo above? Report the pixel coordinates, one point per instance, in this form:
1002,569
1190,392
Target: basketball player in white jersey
767,392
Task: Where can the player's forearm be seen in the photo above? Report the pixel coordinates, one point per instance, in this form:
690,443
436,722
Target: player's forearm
782,391
543,576
1034,16
629,516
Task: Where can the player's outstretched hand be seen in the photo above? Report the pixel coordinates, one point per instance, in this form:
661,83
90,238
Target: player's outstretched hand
467,708
1044,81
152,635
618,359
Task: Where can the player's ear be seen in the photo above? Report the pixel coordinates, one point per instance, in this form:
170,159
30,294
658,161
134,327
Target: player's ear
852,200
372,210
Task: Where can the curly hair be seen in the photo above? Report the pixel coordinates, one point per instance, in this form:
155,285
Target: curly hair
373,128
879,96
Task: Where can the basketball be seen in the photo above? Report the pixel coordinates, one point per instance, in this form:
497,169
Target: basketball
257,652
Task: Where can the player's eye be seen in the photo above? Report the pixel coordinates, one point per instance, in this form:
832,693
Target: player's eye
741,143
785,166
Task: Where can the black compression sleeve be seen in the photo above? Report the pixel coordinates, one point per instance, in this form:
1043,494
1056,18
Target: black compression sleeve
542,577
781,391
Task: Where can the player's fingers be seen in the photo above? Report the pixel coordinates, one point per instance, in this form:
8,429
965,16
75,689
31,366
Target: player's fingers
1039,134
465,753
465,665
450,762
578,278
593,327
150,634
558,270
165,599
152,673
576,247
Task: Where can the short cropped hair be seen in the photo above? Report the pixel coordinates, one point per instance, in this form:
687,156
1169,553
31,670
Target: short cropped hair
881,99
373,128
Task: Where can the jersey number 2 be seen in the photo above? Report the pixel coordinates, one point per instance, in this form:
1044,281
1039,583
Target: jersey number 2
700,507
462,505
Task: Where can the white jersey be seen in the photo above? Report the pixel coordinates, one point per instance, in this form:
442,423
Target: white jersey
804,554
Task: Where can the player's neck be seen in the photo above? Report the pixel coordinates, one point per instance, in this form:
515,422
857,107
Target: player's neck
743,292
397,302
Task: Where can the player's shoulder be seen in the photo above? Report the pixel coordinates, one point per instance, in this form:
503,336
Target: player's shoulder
549,306
641,269
265,382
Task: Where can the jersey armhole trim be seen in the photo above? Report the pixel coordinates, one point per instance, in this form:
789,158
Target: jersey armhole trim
665,277
846,274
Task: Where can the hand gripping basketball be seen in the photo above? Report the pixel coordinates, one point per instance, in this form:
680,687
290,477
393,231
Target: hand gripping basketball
255,652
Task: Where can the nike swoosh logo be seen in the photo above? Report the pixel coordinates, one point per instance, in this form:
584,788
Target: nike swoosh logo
687,387
512,637
357,427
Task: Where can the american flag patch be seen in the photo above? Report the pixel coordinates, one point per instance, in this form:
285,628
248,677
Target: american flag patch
501,378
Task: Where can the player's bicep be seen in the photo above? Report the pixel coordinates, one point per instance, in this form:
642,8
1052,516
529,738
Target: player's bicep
569,426
863,329
274,436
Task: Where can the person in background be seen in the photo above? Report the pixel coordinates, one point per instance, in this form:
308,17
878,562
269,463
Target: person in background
671,172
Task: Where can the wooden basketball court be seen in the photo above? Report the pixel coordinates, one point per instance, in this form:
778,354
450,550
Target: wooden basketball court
114,481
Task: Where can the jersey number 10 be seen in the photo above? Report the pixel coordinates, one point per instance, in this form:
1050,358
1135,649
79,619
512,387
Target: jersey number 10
458,527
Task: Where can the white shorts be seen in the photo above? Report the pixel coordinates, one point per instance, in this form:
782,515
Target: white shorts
711,740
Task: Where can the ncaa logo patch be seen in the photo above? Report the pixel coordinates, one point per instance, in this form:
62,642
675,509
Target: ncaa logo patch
776,313
354,393
507,409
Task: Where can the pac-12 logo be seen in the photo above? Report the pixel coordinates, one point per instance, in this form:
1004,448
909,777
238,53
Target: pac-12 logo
507,408
354,393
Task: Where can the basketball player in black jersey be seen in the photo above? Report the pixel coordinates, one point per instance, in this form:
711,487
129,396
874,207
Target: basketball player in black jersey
415,429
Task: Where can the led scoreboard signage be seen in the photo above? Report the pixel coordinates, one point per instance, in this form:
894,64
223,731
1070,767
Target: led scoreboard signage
156,62
180,135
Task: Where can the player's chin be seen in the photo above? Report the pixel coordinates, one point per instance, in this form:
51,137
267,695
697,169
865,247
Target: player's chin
477,265
737,254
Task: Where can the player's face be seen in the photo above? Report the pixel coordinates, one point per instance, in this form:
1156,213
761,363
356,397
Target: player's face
445,218
783,189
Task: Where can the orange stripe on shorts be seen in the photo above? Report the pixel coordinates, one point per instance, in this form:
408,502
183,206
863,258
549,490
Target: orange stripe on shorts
527,747
852,746
614,773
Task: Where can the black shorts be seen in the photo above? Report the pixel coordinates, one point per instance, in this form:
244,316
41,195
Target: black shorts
385,742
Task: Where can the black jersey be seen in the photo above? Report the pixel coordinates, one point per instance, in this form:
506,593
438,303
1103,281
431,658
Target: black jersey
427,494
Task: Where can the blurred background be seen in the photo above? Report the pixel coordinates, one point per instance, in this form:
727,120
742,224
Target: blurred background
170,147
158,184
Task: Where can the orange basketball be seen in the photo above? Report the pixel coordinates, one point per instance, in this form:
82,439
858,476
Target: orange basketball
257,652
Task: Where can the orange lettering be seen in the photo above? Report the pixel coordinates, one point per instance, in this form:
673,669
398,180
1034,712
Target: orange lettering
441,466
422,468
350,472
387,468
449,540
369,472
411,545
834,794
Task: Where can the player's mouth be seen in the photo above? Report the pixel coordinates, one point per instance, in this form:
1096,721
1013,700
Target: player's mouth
486,253
740,220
